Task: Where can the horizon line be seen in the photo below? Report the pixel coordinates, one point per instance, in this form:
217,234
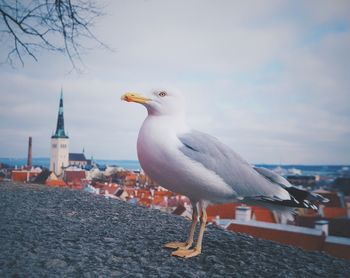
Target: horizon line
258,163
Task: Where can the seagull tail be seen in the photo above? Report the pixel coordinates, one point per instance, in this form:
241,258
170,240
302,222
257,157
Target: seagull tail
299,198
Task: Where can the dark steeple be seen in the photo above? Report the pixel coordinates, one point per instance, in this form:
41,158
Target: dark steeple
60,121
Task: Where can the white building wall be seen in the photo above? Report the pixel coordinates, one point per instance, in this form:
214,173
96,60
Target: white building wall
59,155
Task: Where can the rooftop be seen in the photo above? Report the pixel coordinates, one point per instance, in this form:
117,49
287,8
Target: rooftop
60,133
77,157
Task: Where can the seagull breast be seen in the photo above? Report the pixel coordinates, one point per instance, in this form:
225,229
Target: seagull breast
158,149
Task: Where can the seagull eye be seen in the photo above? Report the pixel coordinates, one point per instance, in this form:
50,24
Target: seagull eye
162,94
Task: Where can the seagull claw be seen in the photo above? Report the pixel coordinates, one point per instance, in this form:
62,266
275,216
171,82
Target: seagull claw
177,245
186,253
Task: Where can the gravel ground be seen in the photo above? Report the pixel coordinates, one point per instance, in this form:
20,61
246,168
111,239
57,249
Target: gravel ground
55,232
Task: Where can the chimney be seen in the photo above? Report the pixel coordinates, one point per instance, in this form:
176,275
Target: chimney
243,213
322,225
217,220
29,159
321,210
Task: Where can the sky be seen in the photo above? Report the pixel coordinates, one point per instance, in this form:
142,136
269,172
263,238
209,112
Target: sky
271,79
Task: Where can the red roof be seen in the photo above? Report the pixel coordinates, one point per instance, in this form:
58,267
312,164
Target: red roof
98,184
130,177
158,200
163,193
308,241
55,183
225,211
145,202
332,196
74,176
228,211
263,214
19,176
143,193
335,212
22,175
111,189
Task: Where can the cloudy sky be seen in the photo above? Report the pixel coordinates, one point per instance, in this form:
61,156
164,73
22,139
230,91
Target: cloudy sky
269,78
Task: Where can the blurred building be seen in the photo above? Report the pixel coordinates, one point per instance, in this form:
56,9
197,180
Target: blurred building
78,159
307,181
59,158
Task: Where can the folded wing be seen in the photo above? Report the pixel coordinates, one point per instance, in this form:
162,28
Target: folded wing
227,164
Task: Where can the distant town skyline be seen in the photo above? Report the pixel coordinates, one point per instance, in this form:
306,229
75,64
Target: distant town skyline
271,80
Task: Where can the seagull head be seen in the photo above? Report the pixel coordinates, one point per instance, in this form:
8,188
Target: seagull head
159,102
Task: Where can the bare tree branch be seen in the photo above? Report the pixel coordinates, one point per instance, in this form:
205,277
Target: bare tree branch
53,25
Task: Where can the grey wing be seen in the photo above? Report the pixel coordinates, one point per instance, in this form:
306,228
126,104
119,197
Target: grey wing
298,194
234,170
272,176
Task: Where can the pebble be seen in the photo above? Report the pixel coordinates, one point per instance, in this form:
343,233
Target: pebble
55,263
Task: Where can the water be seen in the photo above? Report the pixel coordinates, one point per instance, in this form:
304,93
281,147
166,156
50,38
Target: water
45,162
325,170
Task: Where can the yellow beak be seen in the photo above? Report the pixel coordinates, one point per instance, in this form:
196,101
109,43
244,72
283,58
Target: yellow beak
134,97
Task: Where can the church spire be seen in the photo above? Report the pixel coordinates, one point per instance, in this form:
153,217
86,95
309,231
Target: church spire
60,121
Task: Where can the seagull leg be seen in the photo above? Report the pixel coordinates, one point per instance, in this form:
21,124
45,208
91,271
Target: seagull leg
186,245
188,253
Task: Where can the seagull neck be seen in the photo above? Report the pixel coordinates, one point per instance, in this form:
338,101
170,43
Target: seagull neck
177,122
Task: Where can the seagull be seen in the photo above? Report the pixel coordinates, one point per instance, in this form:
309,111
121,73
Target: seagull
199,166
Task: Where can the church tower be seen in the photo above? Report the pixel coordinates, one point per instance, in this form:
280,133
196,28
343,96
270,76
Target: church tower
59,158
